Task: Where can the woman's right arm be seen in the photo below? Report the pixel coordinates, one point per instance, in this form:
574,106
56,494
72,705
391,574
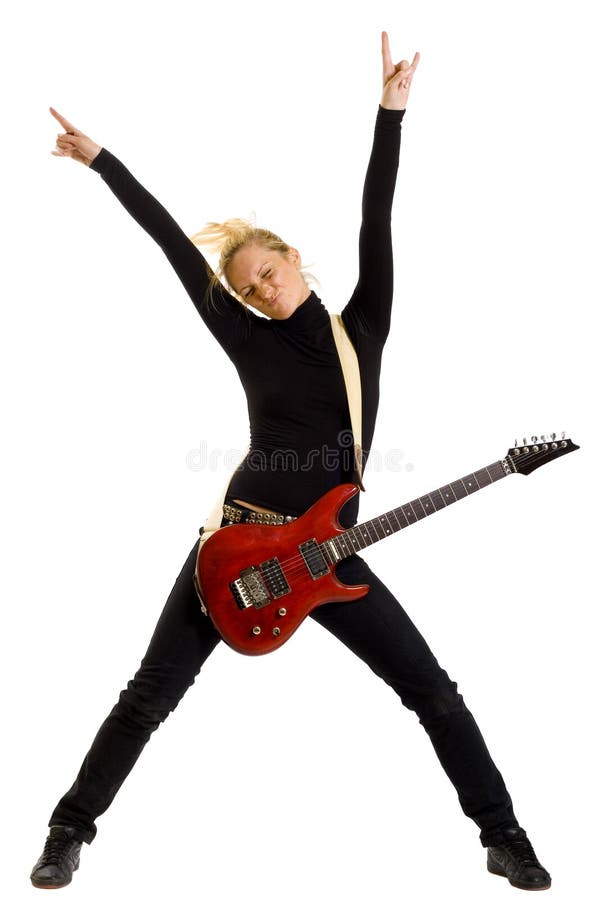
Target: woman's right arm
224,315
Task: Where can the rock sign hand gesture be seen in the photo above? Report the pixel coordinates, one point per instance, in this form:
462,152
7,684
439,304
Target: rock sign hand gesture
396,87
396,78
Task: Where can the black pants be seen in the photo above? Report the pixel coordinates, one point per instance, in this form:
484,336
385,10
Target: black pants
375,627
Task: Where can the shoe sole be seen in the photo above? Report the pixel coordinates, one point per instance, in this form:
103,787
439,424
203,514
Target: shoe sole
524,887
46,887
39,884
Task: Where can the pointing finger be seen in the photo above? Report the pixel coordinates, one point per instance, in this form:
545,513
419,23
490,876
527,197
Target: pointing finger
64,122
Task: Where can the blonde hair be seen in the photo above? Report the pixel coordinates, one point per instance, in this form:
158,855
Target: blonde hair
226,238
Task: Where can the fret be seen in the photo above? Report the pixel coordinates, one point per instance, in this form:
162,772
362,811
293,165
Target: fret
364,534
379,527
351,541
395,522
417,508
373,536
496,471
408,512
403,522
356,539
437,500
427,504
470,483
360,536
459,489
345,544
483,477
388,526
448,494
369,534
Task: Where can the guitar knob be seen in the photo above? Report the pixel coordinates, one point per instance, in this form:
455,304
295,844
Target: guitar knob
277,632
282,611
256,629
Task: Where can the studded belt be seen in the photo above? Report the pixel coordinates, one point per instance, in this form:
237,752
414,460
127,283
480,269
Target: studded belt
236,514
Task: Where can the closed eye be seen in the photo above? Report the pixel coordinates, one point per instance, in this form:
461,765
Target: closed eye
251,290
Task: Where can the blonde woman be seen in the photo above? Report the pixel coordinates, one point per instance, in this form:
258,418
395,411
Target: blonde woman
290,370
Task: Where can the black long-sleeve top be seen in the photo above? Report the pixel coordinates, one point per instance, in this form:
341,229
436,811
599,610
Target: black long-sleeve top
301,439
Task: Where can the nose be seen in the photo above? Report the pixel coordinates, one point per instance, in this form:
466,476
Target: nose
268,292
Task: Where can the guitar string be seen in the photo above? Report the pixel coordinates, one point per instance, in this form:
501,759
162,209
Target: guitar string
296,564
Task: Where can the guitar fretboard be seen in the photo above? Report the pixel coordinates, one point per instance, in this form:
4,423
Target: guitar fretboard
360,536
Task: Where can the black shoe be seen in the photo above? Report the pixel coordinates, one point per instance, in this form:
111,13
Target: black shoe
59,860
516,860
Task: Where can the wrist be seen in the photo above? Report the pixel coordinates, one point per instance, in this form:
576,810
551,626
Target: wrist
391,113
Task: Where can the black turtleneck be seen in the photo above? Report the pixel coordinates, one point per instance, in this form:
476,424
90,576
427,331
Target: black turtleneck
301,440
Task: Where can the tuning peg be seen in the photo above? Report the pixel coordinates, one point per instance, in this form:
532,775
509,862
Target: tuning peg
562,434
516,443
524,440
543,437
553,435
534,438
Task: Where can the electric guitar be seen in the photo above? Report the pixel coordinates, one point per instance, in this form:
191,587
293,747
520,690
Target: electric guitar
259,582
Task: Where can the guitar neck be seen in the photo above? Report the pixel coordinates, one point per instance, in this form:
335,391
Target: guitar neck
360,536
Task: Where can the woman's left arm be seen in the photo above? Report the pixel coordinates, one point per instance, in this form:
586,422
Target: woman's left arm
370,304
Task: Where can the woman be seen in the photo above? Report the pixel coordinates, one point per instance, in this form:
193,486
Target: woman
290,369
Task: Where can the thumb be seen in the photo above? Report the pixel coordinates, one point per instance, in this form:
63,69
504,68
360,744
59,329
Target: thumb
400,76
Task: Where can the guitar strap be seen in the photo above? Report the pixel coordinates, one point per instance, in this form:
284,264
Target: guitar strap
349,362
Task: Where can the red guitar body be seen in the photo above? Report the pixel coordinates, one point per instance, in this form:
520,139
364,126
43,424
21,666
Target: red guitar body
224,567
259,582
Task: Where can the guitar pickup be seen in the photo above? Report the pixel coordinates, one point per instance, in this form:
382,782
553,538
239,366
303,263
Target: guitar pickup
274,577
314,559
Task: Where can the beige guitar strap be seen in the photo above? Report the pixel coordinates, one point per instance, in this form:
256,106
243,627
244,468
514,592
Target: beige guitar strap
213,523
349,362
351,372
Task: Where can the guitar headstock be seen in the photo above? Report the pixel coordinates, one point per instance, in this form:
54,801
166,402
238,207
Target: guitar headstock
529,455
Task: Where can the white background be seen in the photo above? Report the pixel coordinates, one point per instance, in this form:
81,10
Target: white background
300,772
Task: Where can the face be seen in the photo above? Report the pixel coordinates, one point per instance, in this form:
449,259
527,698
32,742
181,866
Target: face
268,280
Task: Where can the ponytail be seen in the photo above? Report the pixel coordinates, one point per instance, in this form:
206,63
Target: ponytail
226,238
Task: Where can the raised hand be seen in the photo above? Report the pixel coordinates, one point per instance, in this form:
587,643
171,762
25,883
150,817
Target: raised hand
396,78
74,143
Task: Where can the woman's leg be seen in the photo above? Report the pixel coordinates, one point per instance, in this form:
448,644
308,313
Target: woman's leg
183,638
379,631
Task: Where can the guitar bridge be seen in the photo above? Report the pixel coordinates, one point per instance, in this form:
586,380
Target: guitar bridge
258,585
